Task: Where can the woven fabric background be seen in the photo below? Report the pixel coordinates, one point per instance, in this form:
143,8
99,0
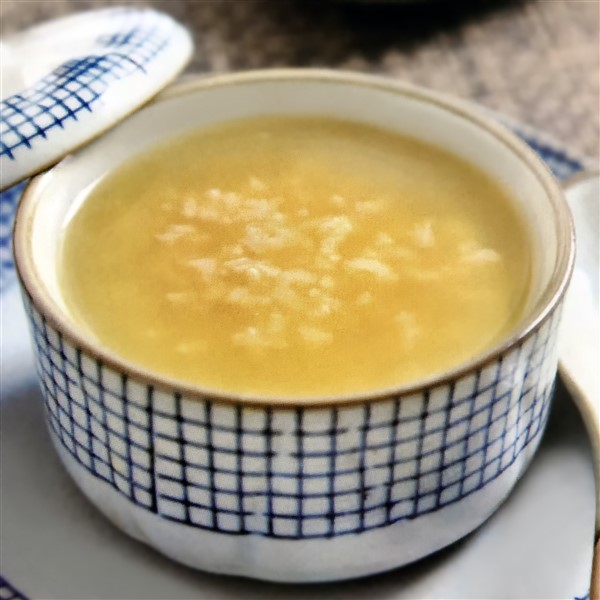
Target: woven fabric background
535,60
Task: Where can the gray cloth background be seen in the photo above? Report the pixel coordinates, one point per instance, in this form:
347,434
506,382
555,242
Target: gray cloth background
537,61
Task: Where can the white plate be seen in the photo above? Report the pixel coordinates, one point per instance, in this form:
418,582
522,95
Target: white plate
54,544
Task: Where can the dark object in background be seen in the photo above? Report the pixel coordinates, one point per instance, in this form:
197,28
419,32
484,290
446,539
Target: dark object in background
376,26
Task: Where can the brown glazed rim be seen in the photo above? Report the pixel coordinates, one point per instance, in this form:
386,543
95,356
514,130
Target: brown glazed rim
543,309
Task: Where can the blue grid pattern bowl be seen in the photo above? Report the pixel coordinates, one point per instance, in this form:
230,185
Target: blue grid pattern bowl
313,490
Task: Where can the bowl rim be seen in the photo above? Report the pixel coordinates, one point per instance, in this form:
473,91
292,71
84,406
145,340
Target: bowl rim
550,298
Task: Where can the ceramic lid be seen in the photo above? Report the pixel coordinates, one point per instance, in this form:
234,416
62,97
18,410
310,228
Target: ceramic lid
68,80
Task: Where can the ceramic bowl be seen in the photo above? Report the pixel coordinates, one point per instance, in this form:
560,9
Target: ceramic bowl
313,489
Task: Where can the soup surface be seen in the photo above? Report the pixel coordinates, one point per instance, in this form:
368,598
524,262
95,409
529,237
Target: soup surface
295,257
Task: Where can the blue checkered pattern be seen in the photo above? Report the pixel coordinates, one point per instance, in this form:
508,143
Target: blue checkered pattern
295,473
76,86
561,163
8,592
8,206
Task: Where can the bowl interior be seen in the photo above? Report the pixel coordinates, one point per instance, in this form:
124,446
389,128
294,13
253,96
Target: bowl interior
56,195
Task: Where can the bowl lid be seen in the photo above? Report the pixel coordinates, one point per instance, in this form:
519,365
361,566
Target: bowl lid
68,80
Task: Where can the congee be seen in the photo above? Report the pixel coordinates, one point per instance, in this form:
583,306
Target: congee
295,257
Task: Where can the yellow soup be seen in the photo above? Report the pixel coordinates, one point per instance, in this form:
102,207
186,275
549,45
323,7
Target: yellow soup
296,256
